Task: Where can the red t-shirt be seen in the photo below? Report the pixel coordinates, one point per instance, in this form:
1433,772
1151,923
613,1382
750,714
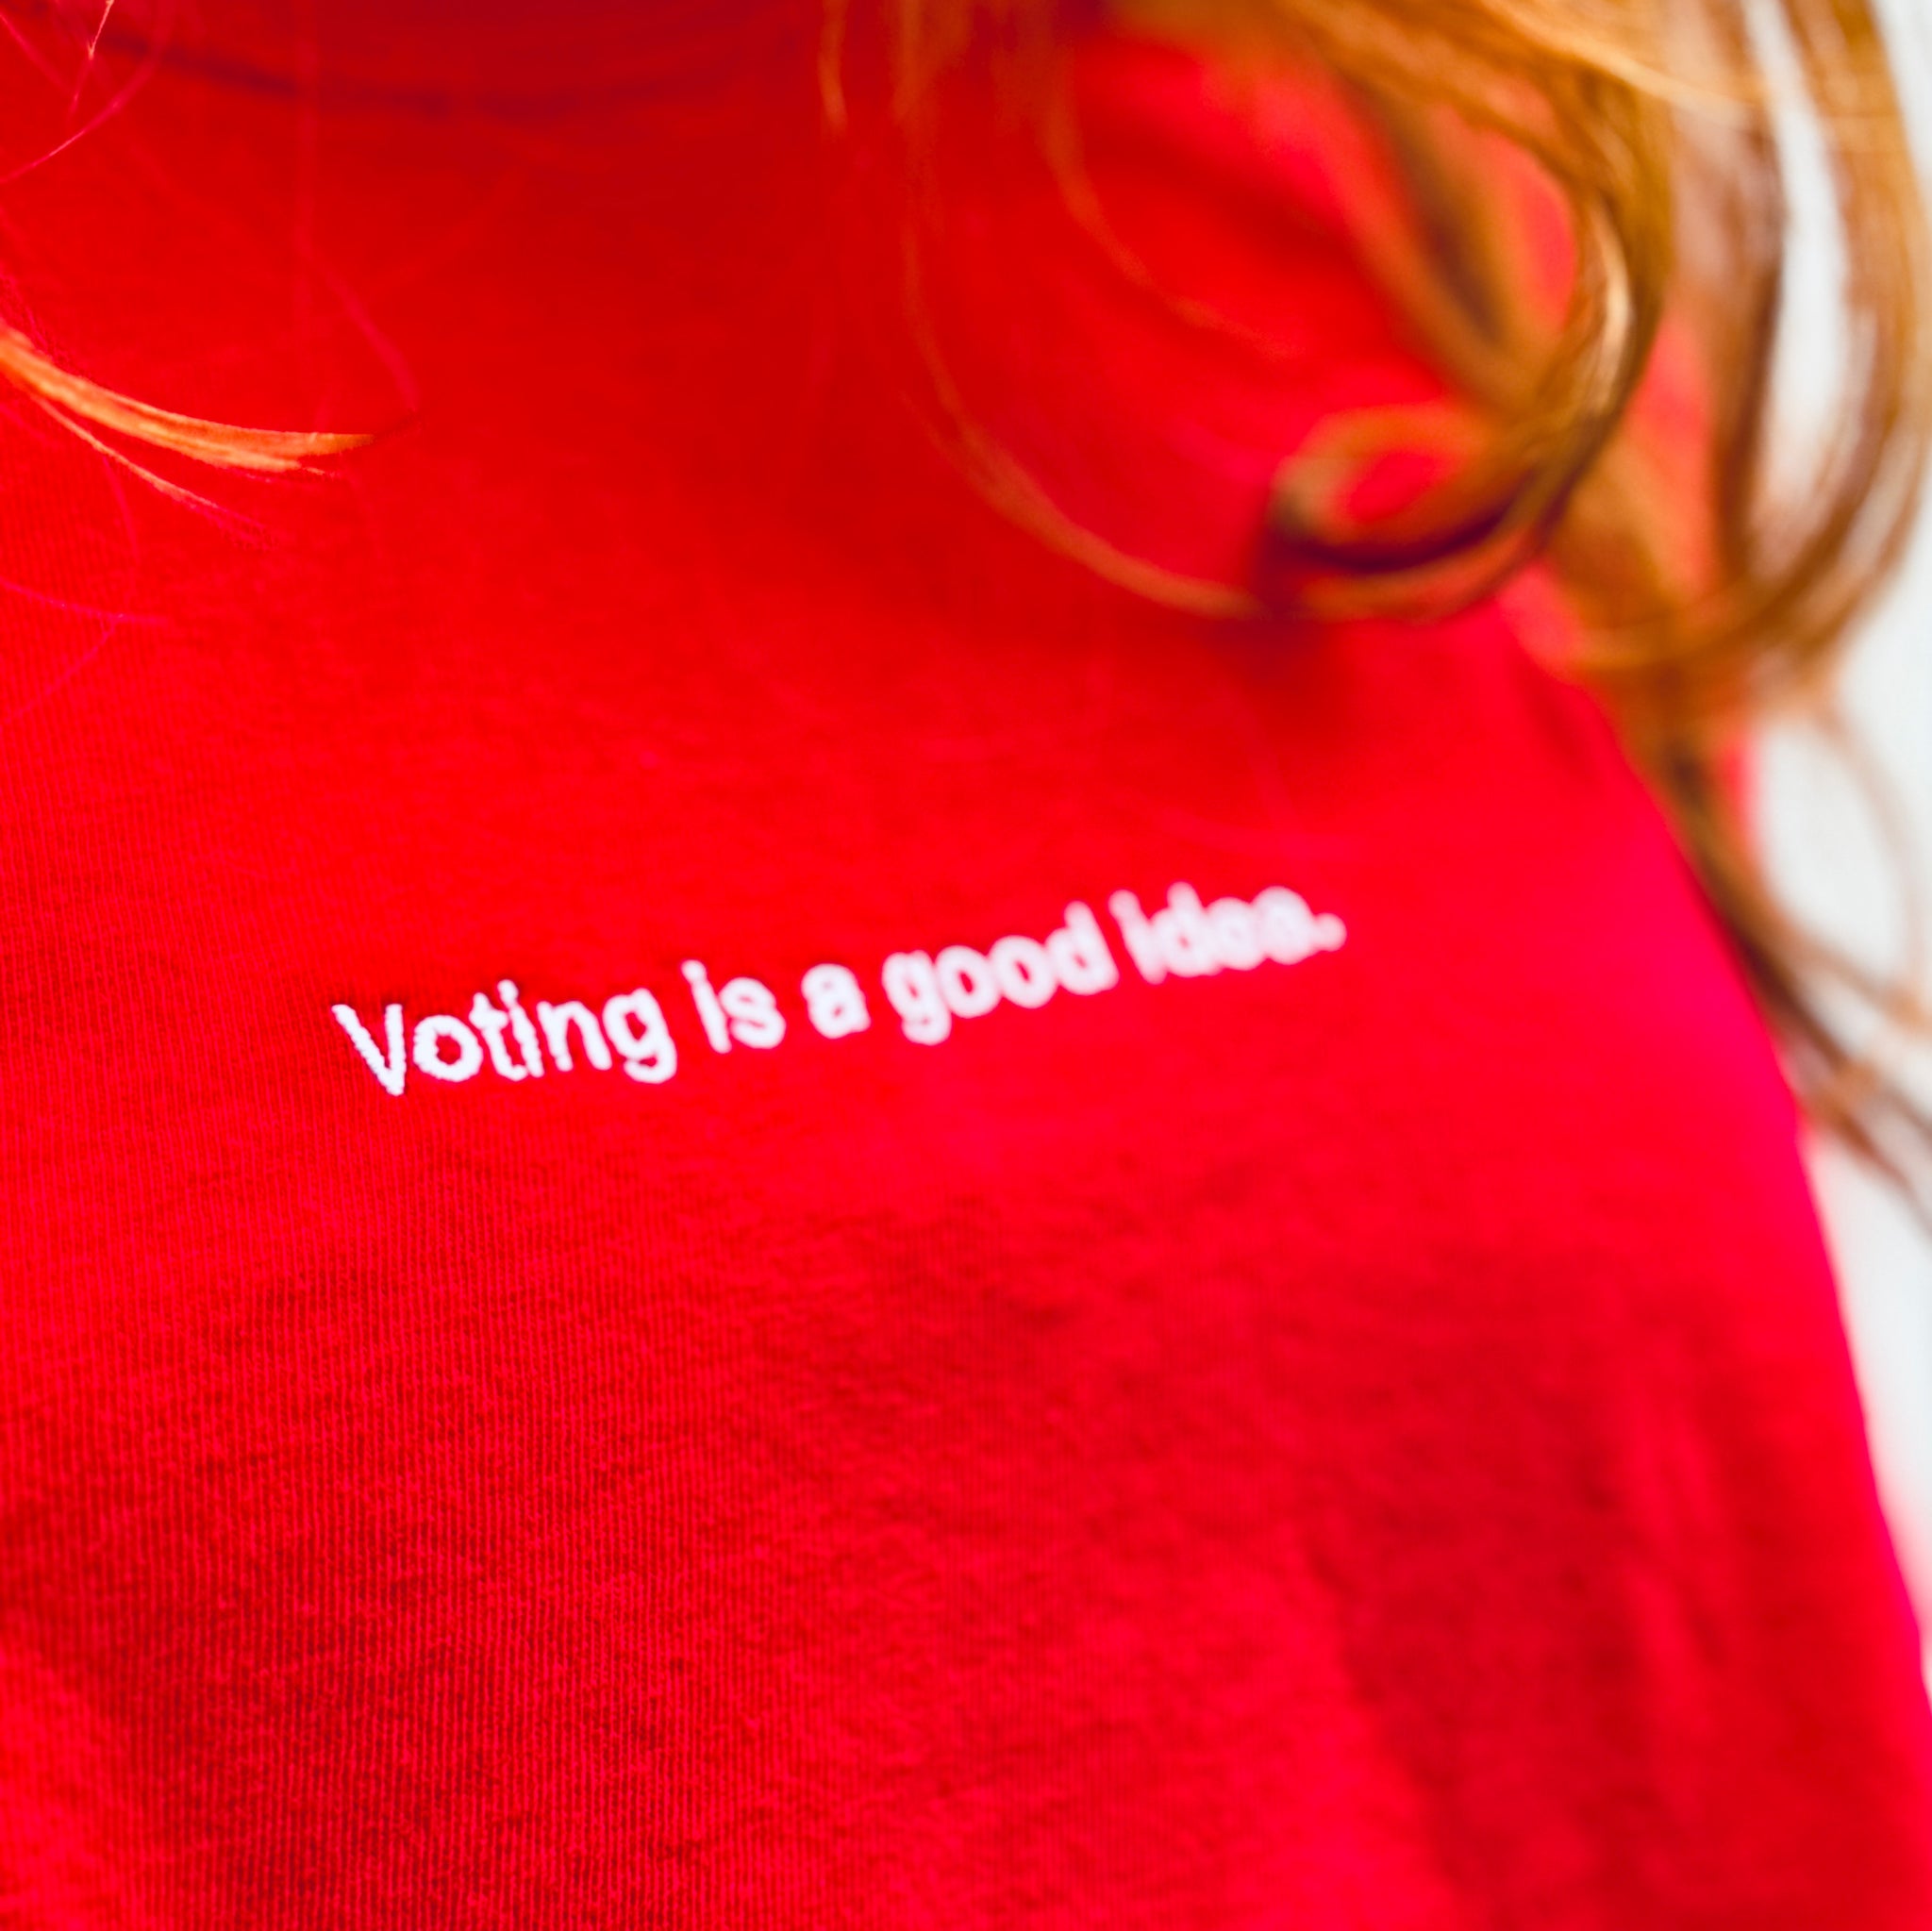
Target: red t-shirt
729,1200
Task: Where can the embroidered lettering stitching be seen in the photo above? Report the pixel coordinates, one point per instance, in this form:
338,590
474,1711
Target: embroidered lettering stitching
927,993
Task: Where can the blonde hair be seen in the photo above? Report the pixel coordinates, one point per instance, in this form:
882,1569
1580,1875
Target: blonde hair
1664,127
96,413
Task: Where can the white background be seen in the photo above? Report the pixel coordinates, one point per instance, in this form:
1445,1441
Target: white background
1823,845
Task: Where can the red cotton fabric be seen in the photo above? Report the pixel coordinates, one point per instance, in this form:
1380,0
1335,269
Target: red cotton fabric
1323,1408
